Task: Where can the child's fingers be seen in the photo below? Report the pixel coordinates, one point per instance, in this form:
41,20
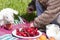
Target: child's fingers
31,24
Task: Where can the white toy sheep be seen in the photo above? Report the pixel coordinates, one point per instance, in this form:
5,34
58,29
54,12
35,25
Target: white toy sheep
1,20
7,16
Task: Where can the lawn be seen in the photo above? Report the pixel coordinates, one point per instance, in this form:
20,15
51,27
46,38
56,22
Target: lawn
19,5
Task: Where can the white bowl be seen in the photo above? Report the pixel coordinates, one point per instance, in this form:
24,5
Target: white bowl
14,33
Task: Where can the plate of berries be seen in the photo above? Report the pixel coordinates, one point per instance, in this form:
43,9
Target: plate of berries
30,32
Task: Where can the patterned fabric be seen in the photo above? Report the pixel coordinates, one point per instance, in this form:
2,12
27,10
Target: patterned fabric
7,37
10,37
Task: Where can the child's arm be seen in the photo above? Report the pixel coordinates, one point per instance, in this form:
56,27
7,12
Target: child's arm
49,14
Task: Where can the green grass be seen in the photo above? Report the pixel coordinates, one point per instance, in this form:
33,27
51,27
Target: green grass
19,5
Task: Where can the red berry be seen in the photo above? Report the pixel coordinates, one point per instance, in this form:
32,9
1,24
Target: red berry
17,30
19,34
32,33
23,34
30,29
27,32
35,31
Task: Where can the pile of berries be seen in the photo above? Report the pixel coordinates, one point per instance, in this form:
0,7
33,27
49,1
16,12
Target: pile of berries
27,32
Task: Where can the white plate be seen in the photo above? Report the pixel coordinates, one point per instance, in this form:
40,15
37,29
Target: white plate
14,33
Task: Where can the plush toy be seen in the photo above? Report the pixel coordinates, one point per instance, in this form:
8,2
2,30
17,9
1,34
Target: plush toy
53,30
7,16
1,20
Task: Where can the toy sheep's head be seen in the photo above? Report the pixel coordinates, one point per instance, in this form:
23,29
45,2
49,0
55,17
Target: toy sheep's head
9,11
1,20
8,15
15,12
12,11
8,19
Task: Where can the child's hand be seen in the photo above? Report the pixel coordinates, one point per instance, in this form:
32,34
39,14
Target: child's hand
38,23
31,24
